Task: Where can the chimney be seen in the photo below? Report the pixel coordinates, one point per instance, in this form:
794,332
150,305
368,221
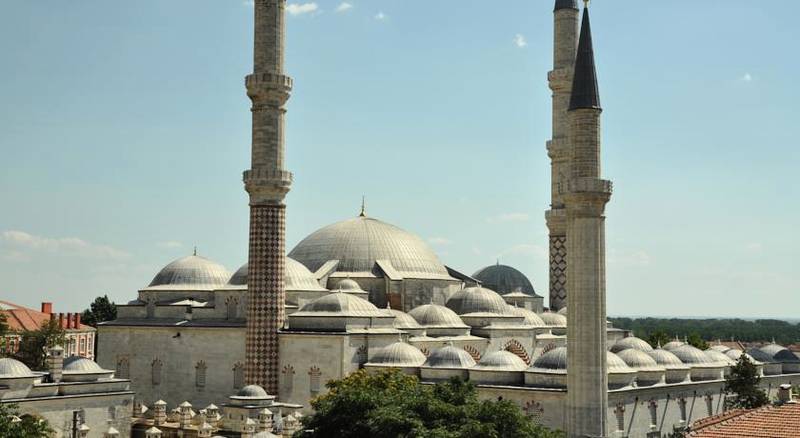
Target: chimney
69,321
61,320
785,393
47,308
77,320
55,363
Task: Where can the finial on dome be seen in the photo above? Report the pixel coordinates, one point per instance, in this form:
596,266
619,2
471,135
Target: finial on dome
195,251
363,207
658,344
388,305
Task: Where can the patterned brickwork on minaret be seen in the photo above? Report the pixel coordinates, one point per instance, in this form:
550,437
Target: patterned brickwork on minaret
267,183
560,81
585,197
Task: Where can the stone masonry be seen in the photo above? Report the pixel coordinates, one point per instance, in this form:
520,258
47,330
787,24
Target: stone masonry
560,80
267,183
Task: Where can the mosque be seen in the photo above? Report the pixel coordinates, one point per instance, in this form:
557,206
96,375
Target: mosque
362,293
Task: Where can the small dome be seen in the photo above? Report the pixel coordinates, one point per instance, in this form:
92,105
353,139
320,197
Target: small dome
342,303
639,360
360,242
671,345
252,391
504,279
562,311
81,365
434,315
477,300
691,355
403,320
296,276
779,353
616,364
347,285
11,368
735,354
631,342
450,357
192,272
719,347
760,355
398,354
501,361
531,318
555,359
666,359
554,319
719,357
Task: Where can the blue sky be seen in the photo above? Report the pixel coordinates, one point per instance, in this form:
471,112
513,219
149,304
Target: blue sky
124,128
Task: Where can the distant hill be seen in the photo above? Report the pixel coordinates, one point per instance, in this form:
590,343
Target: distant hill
711,329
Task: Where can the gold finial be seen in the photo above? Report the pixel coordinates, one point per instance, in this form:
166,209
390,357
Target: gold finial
363,207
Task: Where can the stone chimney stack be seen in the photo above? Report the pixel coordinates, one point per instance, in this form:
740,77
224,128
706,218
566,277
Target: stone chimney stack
560,81
77,321
47,308
159,412
267,182
585,197
785,393
55,363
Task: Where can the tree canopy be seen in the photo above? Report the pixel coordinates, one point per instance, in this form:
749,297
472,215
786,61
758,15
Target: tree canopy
761,330
34,344
742,388
14,425
101,310
392,404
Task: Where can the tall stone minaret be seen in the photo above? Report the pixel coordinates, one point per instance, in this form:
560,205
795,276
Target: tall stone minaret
267,183
585,197
560,80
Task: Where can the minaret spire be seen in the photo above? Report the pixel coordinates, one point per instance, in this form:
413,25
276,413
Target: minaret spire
267,182
585,196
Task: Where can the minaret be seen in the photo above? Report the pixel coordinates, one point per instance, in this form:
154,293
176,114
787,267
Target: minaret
560,80
585,197
267,183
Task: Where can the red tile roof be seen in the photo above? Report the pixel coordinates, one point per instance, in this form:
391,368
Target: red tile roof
767,422
22,318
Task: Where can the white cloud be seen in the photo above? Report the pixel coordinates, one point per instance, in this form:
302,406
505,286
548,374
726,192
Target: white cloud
170,244
301,8
747,77
380,16
18,243
520,41
344,6
439,241
508,217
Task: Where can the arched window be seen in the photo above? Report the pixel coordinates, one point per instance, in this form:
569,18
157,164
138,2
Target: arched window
314,376
156,371
151,307
200,375
238,376
232,307
534,410
515,347
619,411
123,368
361,355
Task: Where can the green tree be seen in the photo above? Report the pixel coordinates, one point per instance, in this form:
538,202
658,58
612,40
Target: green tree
696,341
101,310
12,425
34,344
392,404
658,337
742,386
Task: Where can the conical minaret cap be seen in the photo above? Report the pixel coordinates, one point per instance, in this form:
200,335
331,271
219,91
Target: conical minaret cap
565,4
585,93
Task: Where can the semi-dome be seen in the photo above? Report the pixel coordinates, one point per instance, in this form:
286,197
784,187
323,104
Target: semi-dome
691,355
631,342
434,315
477,300
555,359
501,361
12,368
554,319
296,276
343,304
359,242
192,272
399,355
531,318
504,279
450,357
639,360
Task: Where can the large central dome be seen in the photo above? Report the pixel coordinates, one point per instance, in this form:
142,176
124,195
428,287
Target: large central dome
358,243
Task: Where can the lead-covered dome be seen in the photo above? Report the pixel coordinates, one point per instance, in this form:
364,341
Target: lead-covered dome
191,273
450,357
434,315
691,355
403,320
779,353
554,319
398,354
343,304
631,342
555,359
477,300
296,276
666,359
359,242
531,318
504,279
12,368
501,361
639,360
